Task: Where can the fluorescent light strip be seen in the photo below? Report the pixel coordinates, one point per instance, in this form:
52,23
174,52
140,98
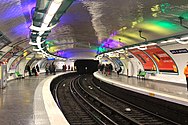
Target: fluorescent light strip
42,28
39,53
51,11
32,43
120,51
58,1
37,50
53,8
47,19
181,42
142,47
169,41
184,38
134,47
151,44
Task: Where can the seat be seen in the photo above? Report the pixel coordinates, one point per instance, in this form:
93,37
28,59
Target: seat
18,75
142,74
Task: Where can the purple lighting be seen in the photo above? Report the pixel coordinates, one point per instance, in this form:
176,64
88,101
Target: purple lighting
59,53
111,44
21,29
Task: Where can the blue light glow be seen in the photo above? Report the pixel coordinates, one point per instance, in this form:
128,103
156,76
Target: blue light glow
59,53
49,58
21,29
18,11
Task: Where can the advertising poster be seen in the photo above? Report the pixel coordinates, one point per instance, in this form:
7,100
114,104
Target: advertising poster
18,59
11,53
144,59
117,61
164,62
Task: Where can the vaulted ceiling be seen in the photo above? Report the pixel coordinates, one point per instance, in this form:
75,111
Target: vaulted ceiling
88,25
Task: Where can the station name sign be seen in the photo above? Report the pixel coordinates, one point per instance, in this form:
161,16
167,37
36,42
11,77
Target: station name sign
179,51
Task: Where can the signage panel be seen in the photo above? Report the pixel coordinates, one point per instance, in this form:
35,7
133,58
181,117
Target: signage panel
179,51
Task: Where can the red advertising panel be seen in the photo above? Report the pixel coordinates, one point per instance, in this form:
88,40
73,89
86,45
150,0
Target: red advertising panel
18,59
164,62
11,53
144,59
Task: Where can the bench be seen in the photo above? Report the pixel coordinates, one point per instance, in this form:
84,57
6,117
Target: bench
142,74
18,75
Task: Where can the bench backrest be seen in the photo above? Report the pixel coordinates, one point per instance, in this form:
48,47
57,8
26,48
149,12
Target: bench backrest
17,73
142,73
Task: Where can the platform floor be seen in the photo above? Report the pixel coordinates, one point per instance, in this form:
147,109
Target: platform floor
165,90
16,101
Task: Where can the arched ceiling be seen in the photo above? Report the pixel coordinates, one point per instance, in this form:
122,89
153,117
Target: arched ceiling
88,24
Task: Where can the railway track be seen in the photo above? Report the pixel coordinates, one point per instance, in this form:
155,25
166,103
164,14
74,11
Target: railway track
74,114
94,106
132,112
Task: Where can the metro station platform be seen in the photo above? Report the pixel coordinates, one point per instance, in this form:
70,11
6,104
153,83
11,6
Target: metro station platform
29,102
171,92
17,99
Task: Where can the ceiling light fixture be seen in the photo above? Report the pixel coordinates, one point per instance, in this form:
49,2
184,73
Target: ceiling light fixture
184,38
181,42
120,51
151,44
169,41
142,47
134,47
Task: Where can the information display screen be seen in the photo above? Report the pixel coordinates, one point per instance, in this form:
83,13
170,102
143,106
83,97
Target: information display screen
144,59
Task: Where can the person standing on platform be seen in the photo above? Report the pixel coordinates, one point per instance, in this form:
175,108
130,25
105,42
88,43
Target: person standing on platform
186,74
119,70
110,69
37,68
102,68
47,68
53,68
50,68
34,71
29,70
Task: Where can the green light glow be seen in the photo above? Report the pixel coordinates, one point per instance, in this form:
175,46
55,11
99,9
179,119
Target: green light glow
101,49
161,26
164,24
164,7
49,43
184,15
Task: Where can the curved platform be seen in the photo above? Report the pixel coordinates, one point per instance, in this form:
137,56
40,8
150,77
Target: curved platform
16,101
46,110
29,102
163,90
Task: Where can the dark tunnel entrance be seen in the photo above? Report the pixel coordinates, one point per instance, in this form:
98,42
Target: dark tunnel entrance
86,66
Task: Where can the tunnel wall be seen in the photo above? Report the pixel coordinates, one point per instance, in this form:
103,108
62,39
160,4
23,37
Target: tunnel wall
133,65
180,60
